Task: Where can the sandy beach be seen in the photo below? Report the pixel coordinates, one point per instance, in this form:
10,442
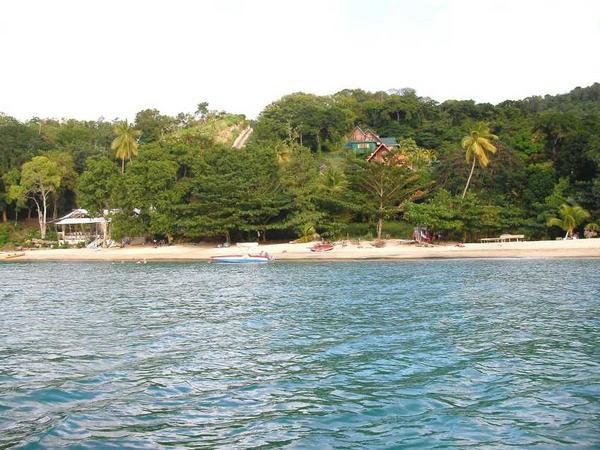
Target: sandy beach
394,249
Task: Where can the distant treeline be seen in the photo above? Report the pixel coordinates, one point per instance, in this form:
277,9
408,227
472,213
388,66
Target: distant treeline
181,179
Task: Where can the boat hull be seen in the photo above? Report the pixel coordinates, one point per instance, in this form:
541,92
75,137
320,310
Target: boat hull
321,248
236,259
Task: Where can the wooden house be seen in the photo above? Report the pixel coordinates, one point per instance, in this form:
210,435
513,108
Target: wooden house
368,144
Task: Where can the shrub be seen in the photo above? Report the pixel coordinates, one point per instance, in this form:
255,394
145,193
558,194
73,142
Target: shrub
308,234
4,234
591,230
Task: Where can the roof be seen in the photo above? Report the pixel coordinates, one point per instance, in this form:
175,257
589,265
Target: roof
81,220
380,148
389,141
349,143
76,213
383,149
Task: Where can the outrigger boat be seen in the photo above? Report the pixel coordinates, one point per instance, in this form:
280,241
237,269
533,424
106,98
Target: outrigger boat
262,257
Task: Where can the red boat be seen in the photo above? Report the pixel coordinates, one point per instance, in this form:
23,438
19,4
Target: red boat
321,247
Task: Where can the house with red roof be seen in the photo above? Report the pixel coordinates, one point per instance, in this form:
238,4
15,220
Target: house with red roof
366,143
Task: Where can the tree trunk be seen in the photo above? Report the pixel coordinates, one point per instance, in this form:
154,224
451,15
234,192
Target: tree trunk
43,220
4,216
40,221
380,219
55,206
469,179
122,166
554,145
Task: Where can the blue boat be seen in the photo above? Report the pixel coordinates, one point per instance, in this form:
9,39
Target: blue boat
242,259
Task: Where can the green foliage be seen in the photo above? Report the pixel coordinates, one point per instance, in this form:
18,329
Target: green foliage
152,125
40,177
125,144
591,230
300,177
441,213
147,189
571,216
96,185
4,233
392,229
417,158
305,119
381,188
307,234
477,145
457,217
234,191
295,172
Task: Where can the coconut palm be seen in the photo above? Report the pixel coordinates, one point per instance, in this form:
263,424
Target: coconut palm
570,217
477,145
333,180
126,142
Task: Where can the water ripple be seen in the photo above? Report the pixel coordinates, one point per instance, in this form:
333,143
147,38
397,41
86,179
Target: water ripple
436,354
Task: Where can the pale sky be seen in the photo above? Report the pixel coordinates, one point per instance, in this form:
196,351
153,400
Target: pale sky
90,58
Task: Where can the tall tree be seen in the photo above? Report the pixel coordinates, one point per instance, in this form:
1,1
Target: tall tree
381,188
15,194
68,176
153,125
477,145
148,189
216,191
126,142
40,177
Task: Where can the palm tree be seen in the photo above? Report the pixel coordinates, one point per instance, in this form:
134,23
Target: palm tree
126,142
571,217
333,180
477,145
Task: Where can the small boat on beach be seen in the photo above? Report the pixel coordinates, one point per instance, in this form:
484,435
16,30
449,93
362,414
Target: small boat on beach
242,259
14,255
321,247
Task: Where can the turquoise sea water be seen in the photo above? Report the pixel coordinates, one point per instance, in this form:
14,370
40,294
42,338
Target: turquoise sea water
433,354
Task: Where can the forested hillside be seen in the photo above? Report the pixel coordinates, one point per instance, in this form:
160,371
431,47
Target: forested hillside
296,178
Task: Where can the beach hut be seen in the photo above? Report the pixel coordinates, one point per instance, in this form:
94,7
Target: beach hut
78,227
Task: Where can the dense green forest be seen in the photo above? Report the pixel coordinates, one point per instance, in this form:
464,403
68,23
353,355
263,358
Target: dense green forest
463,169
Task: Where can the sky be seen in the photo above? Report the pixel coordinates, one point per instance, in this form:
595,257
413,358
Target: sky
112,58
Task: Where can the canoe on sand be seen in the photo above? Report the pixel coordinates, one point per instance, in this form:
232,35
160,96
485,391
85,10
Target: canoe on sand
14,255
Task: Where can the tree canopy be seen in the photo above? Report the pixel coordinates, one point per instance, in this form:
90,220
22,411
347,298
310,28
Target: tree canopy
296,174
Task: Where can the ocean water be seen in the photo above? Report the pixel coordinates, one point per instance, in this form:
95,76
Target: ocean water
432,354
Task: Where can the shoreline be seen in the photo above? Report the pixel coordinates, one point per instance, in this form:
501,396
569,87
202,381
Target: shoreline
393,250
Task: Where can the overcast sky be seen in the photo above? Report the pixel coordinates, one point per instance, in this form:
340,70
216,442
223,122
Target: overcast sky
86,59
